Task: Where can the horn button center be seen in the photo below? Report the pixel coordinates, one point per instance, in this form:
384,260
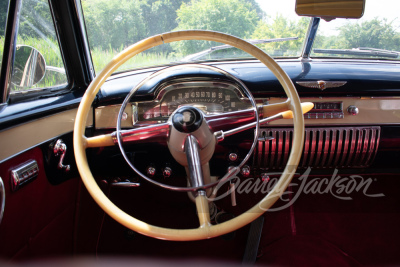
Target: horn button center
187,119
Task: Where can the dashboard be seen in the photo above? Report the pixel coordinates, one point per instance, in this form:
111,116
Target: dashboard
355,125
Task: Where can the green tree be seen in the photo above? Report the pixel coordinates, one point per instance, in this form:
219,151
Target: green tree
3,16
279,28
235,17
36,20
114,24
160,15
375,33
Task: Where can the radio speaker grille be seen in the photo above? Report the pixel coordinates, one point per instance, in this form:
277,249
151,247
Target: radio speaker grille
323,147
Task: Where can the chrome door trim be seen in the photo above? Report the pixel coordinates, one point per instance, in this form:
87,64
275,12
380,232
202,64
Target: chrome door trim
11,33
2,199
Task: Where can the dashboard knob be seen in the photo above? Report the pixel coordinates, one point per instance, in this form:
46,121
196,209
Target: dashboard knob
167,172
151,171
233,156
352,110
265,177
245,171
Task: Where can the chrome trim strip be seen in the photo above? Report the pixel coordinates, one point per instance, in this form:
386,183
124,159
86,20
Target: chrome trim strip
339,148
319,147
313,144
260,151
359,142
280,150
310,38
8,54
327,136
306,148
332,149
346,146
79,13
2,198
364,150
371,146
287,148
267,150
273,150
352,147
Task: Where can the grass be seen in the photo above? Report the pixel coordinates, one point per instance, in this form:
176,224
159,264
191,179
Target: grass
102,57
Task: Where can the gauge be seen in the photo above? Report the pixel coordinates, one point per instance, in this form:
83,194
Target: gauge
211,98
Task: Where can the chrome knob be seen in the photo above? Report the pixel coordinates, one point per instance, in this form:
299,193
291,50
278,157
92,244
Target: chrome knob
352,110
233,156
151,171
245,171
265,177
167,172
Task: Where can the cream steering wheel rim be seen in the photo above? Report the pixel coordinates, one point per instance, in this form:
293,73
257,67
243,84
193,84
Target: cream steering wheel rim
204,231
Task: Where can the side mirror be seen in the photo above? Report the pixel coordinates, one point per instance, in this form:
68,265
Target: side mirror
330,9
29,66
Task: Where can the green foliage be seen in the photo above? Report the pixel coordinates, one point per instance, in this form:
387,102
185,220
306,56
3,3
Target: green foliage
375,33
36,20
114,23
235,17
282,27
160,15
3,16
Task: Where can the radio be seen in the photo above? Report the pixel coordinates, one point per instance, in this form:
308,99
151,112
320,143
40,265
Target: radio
326,110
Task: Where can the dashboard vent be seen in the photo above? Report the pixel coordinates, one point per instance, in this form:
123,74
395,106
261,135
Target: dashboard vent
323,147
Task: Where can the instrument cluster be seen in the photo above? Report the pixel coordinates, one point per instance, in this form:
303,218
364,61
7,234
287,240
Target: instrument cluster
209,97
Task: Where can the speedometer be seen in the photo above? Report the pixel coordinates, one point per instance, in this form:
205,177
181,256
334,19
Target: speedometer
209,100
209,97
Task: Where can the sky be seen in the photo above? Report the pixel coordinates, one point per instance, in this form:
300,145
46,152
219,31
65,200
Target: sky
389,9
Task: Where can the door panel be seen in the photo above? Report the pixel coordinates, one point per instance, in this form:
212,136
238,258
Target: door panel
39,217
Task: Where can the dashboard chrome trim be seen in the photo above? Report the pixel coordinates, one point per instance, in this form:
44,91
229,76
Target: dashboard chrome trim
323,147
372,111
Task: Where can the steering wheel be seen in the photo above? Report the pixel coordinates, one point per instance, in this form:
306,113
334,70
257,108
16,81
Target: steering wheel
192,147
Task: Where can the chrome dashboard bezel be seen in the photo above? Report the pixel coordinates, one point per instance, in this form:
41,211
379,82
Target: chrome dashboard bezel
184,84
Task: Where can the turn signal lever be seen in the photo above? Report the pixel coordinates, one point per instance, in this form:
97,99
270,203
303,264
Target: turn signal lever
60,148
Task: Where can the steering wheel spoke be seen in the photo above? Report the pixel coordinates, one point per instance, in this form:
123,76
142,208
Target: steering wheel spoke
100,141
203,210
157,132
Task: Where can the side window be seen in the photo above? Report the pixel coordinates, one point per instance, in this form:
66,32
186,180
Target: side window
38,62
3,21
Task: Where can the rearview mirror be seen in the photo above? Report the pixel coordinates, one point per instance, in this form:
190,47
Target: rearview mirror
330,9
29,66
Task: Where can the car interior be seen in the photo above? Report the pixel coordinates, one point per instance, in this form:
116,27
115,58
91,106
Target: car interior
191,144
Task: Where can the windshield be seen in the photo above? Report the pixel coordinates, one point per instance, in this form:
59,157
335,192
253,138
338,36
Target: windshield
271,25
375,35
